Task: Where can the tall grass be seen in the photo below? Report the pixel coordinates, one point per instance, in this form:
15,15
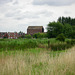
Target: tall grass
37,62
22,44
15,44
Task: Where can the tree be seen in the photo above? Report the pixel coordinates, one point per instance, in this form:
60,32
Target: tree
67,30
67,20
54,29
72,35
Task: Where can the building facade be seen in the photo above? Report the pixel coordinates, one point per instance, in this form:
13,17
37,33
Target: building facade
35,29
12,35
3,34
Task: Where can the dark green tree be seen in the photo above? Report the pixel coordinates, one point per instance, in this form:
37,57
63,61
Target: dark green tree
72,35
54,29
67,20
67,30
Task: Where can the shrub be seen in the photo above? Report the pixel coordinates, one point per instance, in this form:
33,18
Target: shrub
60,37
28,36
60,46
71,42
40,35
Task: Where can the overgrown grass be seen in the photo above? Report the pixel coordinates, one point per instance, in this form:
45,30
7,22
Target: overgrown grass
37,62
18,44
23,44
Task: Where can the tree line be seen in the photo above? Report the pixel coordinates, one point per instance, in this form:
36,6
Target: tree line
65,25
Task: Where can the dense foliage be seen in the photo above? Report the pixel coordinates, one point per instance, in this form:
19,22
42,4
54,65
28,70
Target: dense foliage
60,37
65,25
54,29
23,44
68,20
40,35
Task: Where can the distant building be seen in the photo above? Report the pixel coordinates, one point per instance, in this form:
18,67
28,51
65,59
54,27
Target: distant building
20,34
35,29
3,34
12,35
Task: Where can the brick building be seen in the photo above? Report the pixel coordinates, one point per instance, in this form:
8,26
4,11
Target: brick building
35,29
20,34
12,35
3,34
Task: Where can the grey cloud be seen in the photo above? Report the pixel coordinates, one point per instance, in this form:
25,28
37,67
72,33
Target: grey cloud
53,2
13,13
16,2
34,15
18,15
4,1
46,13
67,12
28,15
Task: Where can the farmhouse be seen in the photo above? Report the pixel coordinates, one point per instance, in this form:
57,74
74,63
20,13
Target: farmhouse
35,29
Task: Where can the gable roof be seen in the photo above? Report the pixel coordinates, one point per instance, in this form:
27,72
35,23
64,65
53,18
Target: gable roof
35,27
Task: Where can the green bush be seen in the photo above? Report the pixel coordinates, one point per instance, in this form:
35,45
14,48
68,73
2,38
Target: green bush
60,46
60,37
28,36
40,35
71,42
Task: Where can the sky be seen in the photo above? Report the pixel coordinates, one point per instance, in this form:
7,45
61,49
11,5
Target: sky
17,15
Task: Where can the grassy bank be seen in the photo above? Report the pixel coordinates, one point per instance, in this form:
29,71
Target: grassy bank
37,62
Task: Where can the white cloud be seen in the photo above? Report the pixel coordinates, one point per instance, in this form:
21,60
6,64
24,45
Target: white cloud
53,2
4,1
17,15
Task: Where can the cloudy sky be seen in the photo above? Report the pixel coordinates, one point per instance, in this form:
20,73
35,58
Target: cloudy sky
17,15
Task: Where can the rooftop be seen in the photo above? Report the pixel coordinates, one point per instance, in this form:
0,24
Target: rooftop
35,27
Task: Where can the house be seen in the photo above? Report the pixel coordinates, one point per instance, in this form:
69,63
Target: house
12,35
21,34
3,34
35,29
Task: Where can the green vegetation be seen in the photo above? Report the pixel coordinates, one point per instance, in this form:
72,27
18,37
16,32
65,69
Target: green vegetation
38,55
60,37
28,36
37,62
67,20
54,29
22,44
40,35
65,25
35,56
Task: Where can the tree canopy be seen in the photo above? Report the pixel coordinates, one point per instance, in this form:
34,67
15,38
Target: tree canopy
65,25
67,20
54,28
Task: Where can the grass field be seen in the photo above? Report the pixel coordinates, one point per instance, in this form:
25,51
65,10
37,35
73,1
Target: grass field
33,57
37,62
22,44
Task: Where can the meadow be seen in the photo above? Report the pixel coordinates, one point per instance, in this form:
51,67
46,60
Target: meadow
34,57
22,44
